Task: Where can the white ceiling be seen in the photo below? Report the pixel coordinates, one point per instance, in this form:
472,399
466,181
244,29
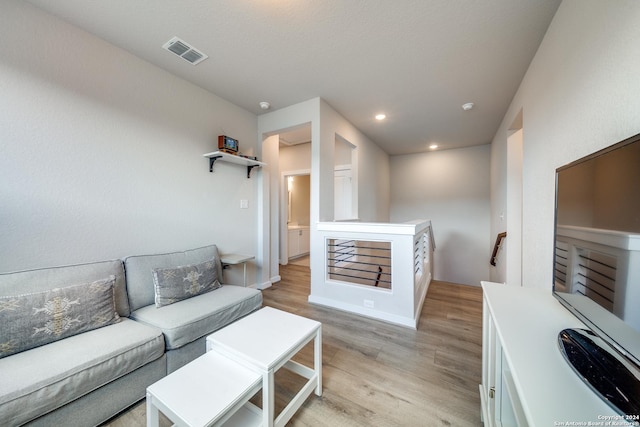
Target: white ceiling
417,61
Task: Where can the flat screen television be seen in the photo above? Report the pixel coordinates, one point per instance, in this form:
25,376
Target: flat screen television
597,267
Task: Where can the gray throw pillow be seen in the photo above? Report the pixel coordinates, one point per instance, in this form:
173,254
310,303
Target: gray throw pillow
35,319
179,283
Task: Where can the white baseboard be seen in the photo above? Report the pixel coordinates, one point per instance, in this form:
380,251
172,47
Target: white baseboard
407,322
263,285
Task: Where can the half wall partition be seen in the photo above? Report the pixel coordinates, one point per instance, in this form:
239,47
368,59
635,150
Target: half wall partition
379,270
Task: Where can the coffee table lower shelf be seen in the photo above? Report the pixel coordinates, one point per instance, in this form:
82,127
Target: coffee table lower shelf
249,415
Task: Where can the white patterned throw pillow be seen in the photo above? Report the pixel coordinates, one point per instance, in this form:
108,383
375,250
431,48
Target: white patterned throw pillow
179,283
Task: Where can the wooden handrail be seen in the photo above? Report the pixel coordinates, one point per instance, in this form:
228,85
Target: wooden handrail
378,276
496,247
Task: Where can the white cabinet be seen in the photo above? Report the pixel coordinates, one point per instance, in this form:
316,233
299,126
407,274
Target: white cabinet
298,241
500,402
525,379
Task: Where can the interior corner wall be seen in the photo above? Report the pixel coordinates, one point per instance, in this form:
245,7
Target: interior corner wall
102,153
580,94
450,188
371,162
268,231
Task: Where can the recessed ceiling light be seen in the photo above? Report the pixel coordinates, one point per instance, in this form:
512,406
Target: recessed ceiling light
381,116
433,146
468,106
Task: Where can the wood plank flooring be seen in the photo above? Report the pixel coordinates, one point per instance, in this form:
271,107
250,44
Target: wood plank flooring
378,374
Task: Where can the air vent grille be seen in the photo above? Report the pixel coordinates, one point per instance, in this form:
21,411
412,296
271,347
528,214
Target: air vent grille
185,51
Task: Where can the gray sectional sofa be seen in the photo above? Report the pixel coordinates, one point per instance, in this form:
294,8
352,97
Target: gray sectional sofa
86,378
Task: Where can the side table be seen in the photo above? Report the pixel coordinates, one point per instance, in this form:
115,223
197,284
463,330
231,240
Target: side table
212,390
235,259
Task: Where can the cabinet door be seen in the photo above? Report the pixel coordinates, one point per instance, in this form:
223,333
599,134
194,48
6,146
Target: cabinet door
489,368
294,243
501,406
304,241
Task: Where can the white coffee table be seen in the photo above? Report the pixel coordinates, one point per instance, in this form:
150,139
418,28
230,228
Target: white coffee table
266,340
212,390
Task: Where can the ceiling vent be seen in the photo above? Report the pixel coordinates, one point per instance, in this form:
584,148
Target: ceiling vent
185,51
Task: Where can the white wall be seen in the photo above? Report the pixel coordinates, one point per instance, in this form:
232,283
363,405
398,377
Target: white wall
295,158
451,188
580,94
101,152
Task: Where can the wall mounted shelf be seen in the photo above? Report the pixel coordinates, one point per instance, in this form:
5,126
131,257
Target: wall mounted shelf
231,158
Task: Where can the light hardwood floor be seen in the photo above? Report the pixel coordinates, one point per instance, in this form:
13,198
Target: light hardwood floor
377,374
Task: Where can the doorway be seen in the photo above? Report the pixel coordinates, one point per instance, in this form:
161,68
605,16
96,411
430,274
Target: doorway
515,146
296,245
294,160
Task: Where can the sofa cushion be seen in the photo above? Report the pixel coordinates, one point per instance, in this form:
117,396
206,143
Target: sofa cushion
42,379
34,319
139,271
182,282
190,319
23,282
